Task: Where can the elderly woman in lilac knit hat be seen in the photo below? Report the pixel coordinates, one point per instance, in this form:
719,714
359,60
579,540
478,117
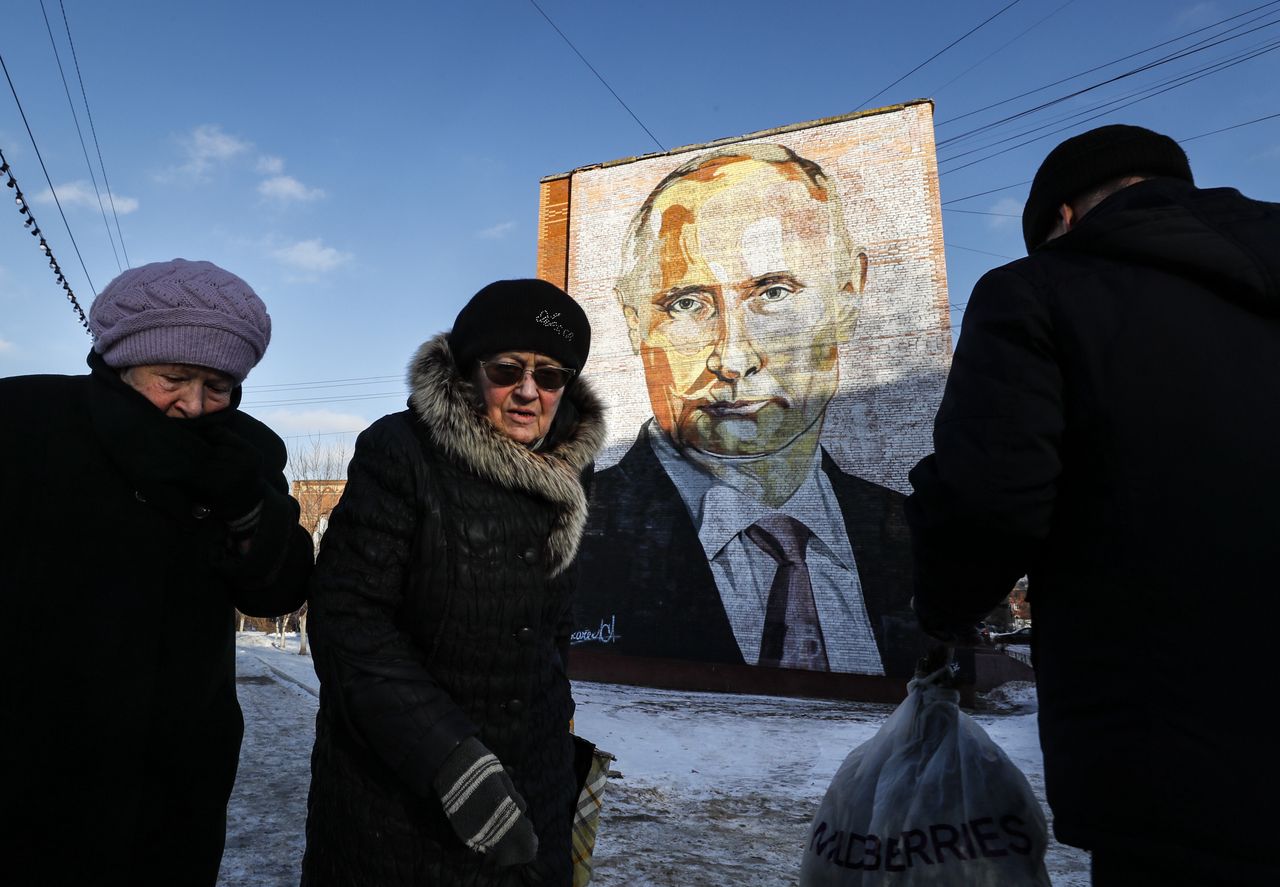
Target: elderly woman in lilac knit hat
141,507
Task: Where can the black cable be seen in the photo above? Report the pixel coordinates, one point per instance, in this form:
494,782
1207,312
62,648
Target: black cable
309,400
1002,47
75,119
984,252
1219,69
1226,128
985,193
52,190
975,212
1107,64
94,132
936,54
1122,101
598,77
1177,56
24,209
1181,141
324,383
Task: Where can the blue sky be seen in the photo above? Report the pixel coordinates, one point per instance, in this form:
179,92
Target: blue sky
368,166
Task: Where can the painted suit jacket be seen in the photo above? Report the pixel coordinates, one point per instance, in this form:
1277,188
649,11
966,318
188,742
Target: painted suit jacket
646,578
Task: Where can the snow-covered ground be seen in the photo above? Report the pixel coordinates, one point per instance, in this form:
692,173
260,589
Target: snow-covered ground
714,789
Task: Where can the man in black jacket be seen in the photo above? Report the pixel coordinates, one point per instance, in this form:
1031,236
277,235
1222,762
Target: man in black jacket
1111,427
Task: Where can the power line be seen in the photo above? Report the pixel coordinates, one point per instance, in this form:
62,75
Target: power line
75,119
1122,101
309,400
1182,141
326,383
598,77
984,252
52,190
94,132
978,27
1177,56
319,434
975,212
1110,63
985,193
1189,79
1228,128
24,209
1003,47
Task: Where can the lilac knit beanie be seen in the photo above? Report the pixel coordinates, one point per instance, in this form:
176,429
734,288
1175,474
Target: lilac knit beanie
180,312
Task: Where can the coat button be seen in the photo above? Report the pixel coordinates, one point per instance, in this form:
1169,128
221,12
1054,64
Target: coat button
200,512
530,555
137,494
525,635
515,706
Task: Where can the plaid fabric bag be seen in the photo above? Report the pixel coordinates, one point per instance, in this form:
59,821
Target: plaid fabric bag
592,768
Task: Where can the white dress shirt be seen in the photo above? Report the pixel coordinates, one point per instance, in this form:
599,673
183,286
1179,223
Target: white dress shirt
722,508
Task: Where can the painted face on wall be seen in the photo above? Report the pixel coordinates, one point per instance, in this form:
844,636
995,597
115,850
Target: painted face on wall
739,304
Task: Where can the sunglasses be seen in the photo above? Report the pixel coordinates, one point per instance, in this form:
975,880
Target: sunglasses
548,378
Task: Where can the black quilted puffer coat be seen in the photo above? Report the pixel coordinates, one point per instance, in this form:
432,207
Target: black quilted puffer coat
440,610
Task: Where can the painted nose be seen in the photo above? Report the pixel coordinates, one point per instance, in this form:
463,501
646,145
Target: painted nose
735,355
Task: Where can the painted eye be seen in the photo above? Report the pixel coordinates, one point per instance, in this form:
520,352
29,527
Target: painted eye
689,305
775,293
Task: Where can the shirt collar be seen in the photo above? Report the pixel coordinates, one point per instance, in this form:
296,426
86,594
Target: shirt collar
721,510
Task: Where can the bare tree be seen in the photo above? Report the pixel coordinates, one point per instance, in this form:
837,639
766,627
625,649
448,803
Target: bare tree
319,472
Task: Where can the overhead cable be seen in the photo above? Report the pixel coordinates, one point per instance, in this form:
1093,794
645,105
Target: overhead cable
1003,46
24,209
972,30
1190,79
52,190
76,120
1123,100
598,75
106,183
1108,64
1172,57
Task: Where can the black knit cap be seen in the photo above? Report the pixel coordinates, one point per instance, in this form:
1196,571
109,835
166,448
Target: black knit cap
521,315
1091,159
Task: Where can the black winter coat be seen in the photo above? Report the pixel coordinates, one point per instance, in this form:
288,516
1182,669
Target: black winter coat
1111,427
122,729
440,609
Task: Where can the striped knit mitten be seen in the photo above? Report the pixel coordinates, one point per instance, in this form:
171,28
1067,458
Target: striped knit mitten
483,805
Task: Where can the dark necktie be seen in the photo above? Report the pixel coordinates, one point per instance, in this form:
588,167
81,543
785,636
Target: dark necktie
792,636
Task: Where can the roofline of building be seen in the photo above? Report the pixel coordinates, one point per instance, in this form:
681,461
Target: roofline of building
777,130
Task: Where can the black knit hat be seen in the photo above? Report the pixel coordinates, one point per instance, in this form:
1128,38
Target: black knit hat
1091,159
521,315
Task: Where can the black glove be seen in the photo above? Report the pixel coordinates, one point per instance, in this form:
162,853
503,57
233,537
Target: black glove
226,476
483,806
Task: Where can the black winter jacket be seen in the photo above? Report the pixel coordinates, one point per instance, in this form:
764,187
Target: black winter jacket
122,729
1111,427
440,610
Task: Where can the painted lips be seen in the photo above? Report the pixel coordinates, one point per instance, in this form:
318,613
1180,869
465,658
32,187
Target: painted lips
735,409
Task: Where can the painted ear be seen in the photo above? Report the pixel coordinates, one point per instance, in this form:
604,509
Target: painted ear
858,279
633,327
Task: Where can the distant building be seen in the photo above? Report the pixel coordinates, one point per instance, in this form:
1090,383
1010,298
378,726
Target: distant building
316,500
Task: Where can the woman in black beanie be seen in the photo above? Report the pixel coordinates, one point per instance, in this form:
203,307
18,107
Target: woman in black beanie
440,611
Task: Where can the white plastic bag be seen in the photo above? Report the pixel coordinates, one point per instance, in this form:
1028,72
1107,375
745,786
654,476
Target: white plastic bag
929,799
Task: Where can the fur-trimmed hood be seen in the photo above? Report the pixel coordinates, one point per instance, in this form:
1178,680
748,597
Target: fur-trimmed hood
443,401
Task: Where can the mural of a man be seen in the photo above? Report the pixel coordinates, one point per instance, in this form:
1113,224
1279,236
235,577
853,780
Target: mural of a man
726,533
